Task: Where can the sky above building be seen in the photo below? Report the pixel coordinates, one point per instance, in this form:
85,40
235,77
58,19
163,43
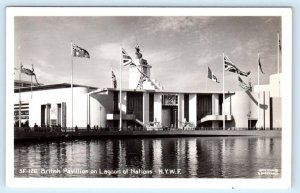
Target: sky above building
179,49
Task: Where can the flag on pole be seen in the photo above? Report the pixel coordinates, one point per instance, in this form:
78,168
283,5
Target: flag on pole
259,63
127,60
279,44
29,72
212,76
79,52
243,85
114,79
229,66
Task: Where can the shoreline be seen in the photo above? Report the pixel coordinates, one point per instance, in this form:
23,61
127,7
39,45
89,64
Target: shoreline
38,135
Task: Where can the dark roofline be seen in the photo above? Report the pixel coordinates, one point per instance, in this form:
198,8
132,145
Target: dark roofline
170,92
51,86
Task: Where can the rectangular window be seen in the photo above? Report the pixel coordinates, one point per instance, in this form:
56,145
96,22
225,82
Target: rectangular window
63,114
135,104
116,102
151,107
204,105
186,107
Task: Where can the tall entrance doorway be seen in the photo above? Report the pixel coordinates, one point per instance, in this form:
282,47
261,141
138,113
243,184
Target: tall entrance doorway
170,116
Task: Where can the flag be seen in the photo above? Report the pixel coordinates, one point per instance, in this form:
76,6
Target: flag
260,65
243,85
79,52
114,79
29,72
229,66
279,44
212,76
127,60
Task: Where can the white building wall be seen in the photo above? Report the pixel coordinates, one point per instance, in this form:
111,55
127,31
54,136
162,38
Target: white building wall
34,111
158,107
275,85
215,104
100,105
95,113
215,109
54,97
264,111
244,105
265,119
146,107
124,108
124,103
277,113
254,102
80,108
227,104
180,110
240,108
193,108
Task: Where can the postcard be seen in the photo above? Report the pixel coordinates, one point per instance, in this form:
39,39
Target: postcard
148,97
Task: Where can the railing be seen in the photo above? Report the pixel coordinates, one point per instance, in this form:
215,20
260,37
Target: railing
238,129
157,128
70,129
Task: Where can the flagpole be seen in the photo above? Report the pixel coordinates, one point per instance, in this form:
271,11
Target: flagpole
206,83
31,81
20,95
278,63
120,100
258,104
72,80
223,109
31,86
112,83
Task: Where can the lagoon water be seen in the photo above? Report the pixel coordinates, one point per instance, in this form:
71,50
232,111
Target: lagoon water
189,157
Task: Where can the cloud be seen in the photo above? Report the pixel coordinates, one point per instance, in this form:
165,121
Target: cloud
108,51
207,58
175,24
161,56
44,77
111,51
42,63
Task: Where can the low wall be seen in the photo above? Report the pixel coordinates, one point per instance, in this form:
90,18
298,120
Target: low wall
113,134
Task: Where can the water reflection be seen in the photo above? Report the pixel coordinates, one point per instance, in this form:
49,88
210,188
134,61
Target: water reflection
207,157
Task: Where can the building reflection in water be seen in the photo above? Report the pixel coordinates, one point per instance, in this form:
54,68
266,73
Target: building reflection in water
192,157
157,154
202,157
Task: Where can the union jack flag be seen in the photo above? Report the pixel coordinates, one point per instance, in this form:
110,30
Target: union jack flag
229,66
127,60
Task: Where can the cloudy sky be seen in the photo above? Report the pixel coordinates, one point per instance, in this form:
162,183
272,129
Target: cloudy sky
179,48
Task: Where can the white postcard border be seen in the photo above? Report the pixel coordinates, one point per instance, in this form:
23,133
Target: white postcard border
284,182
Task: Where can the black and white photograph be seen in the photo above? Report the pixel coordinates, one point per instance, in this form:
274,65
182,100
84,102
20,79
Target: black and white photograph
151,93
